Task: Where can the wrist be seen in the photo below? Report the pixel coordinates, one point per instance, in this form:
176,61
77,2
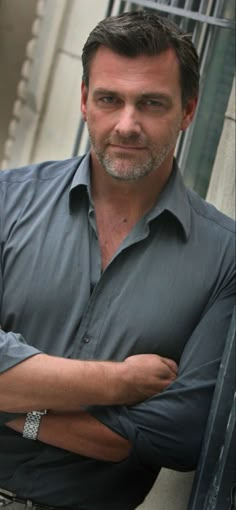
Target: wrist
32,424
122,381
17,424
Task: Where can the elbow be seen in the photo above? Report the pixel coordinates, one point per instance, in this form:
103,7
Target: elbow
185,461
185,454
171,454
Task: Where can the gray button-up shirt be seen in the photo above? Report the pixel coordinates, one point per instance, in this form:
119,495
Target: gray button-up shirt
168,290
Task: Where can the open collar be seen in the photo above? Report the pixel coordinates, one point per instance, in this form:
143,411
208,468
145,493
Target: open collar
173,198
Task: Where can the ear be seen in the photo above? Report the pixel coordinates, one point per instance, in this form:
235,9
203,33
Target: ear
83,103
189,111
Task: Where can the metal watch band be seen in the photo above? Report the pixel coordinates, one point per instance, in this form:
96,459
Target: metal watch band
32,423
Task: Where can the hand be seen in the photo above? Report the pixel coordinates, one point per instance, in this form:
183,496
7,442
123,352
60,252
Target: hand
148,374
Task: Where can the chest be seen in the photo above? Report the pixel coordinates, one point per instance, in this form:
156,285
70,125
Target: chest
112,230
148,298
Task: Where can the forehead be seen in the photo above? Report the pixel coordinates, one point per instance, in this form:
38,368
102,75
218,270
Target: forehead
145,72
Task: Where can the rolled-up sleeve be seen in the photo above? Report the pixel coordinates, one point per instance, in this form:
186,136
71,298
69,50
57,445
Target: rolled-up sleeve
13,347
13,350
167,430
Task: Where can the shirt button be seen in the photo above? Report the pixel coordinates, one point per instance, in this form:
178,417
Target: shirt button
86,339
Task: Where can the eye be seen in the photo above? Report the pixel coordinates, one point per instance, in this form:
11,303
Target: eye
107,100
152,103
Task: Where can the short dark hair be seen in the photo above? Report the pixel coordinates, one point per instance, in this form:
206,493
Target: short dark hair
145,33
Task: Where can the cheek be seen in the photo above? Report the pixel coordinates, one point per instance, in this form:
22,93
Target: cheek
170,127
94,118
99,124
97,131
162,133
157,131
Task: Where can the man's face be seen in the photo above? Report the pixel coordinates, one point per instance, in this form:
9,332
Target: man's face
134,112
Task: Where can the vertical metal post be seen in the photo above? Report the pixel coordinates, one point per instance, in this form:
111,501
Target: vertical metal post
215,474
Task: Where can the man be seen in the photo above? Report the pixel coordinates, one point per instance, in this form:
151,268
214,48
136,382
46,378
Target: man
106,257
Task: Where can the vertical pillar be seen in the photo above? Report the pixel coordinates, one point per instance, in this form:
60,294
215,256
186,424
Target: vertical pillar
221,191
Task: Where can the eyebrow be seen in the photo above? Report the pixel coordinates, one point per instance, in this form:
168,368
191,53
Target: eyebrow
145,95
99,91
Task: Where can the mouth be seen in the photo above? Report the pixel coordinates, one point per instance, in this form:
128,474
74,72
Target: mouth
128,148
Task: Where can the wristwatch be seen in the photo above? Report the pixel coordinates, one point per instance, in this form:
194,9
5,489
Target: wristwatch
32,423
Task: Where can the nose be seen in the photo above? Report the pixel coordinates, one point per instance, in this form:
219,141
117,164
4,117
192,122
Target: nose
128,124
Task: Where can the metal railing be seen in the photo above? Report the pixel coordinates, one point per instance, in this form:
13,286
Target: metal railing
214,486
184,12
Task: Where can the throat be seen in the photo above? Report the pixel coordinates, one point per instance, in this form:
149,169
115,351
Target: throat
112,230
117,211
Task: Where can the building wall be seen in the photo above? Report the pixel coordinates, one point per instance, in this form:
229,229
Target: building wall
221,191
16,19
44,124
48,104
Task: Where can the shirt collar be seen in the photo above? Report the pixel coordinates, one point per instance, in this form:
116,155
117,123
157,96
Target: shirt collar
81,181
173,198
82,175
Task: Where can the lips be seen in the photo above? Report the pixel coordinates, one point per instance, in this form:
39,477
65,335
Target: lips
127,147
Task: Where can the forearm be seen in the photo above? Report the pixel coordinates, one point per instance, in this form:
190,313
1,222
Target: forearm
47,382
58,384
79,433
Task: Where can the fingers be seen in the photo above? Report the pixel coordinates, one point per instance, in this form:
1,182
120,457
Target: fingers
171,364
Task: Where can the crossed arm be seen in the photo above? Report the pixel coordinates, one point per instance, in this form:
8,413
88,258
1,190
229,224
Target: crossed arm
63,386
165,429
80,433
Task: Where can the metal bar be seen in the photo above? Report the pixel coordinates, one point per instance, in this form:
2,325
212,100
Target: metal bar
203,31
221,488
78,138
217,434
109,8
178,11
122,6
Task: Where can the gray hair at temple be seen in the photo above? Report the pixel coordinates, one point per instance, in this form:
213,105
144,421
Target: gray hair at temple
145,33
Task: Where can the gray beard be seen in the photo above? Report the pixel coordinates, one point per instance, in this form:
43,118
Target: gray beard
119,171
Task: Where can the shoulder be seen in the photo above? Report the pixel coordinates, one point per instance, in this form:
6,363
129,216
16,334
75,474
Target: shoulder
212,236
213,241
208,217
47,170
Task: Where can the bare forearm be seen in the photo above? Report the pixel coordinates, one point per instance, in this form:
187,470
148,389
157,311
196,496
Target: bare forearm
47,382
79,433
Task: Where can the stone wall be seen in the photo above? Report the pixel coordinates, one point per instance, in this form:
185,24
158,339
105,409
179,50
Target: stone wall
16,18
46,112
